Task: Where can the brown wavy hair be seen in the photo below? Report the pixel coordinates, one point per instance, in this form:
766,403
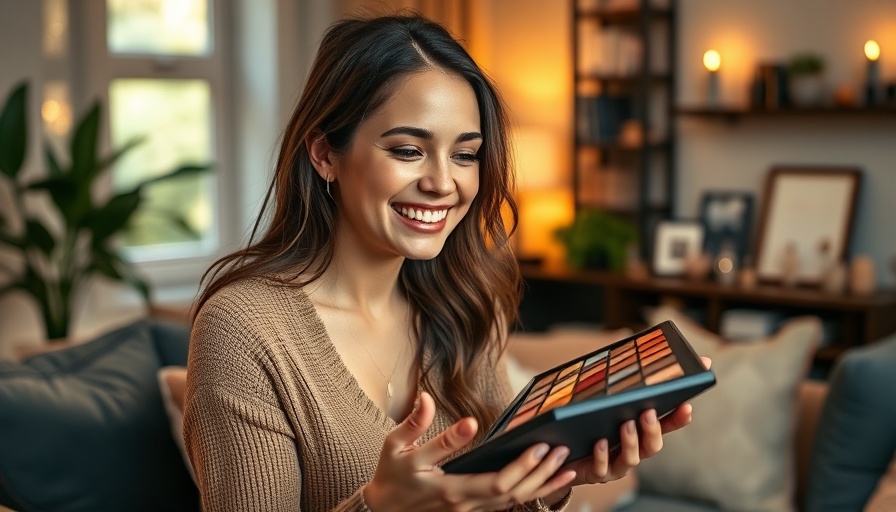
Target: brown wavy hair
460,299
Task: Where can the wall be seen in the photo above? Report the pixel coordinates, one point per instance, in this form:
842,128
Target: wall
719,155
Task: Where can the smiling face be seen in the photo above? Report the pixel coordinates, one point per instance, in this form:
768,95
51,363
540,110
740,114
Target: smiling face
411,171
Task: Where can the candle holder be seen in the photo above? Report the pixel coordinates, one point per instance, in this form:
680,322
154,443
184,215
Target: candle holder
712,61
872,93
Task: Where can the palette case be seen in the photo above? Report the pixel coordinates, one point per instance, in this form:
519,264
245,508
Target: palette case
588,398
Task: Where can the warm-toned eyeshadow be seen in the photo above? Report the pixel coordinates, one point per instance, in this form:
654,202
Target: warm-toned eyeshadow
621,374
654,349
586,393
659,365
646,361
547,379
631,382
590,380
569,369
622,355
594,369
564,383
667,373
620,349
557,399
520,418
652,343
623,363
532,397
538,390
649,336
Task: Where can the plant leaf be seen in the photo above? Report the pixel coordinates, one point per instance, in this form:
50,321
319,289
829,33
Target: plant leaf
180,222
14,132
11,240
52,161
118,153
63,189
185,170
84,146
39,236
104,263
108,219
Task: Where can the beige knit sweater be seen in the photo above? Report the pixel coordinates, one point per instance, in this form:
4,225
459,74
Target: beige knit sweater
273,419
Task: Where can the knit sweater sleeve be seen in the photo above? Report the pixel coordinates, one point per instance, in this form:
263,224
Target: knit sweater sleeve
241,444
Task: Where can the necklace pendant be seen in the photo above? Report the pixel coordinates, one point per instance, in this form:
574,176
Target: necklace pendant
389,390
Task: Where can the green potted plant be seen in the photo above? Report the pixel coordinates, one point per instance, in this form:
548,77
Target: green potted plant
597,240
806,76
57,248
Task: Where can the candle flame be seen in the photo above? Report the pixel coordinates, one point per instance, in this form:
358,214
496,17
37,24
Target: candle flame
712,60
872,50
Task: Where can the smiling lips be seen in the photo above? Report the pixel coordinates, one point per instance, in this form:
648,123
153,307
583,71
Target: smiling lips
421,215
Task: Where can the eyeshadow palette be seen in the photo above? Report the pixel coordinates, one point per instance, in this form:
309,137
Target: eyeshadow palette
589,398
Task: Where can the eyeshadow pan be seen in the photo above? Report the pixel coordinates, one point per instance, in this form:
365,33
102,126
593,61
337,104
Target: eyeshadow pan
520,418
631,382
569,369
652,343
590,380
654,349
596,358
667,373
648,360
615,359
564,383
622,348
622,373
547,379
655,366
557,399
625,362
649,336
591,391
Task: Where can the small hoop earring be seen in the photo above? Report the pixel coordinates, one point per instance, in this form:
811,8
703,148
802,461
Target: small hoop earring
328,187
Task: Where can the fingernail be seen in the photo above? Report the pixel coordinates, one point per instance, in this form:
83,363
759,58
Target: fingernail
541,451
561,454
602,445
630,426
651,417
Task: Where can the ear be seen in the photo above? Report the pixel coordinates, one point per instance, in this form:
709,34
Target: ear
321,155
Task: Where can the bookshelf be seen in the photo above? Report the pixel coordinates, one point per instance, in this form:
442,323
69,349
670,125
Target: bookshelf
624,56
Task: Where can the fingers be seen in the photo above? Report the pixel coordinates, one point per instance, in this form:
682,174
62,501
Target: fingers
629,454
409,430
533,474
707,362
680,417
448,442
651,440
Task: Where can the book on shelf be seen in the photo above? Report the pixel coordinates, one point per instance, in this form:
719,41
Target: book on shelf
600,117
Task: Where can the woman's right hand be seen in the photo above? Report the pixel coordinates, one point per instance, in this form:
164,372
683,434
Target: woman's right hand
407,477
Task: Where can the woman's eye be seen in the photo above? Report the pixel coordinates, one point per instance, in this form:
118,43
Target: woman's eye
406,153
467,157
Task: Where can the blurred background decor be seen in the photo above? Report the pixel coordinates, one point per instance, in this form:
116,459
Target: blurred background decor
597,240
73,238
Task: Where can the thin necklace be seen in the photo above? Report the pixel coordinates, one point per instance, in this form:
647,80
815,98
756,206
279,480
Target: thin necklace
390,390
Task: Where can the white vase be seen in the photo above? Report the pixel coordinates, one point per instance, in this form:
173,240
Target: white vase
807,90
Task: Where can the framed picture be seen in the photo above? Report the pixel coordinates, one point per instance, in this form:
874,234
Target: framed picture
674,242
807,217
727,218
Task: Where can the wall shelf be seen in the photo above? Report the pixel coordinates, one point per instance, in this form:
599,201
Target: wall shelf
735,114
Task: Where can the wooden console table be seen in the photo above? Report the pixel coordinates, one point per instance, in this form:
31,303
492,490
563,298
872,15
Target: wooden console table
856,320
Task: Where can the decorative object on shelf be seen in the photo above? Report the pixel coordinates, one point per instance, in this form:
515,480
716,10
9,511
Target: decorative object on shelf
833,271
872,82
806,76
712,61
74,238
861,276
790,265
597,240
725,266
804,206
697,266
727,216
769,90
746,278
845,96
675,241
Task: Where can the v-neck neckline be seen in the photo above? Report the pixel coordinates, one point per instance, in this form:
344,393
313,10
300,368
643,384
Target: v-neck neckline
343,378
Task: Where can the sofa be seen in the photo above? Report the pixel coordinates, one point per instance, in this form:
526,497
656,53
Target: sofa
810,445
86,428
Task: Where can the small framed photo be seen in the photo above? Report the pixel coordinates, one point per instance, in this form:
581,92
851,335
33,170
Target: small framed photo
727,218
806,221
676,241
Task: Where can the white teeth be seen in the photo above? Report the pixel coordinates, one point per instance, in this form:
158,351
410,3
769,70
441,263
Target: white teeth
427,216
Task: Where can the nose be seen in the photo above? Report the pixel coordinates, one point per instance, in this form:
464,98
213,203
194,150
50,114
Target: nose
437,179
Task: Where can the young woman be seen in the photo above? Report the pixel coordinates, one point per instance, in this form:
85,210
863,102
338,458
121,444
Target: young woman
355,345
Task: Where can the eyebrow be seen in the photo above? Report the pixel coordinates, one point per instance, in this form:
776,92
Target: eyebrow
423,133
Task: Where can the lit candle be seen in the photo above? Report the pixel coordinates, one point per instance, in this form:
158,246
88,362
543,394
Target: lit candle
872,53
712,61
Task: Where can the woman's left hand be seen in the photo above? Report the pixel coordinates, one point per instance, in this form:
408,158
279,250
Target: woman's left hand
599,468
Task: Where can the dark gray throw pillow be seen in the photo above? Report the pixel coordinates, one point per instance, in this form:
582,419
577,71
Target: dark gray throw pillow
84,428
856,434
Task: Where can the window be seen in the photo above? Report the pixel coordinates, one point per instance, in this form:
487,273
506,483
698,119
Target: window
159,67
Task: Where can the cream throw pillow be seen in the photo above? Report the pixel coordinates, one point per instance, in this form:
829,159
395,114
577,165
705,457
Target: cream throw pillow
738,451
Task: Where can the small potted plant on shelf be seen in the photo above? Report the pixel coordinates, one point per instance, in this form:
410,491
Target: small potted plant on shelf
597,240
806,75
58,232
